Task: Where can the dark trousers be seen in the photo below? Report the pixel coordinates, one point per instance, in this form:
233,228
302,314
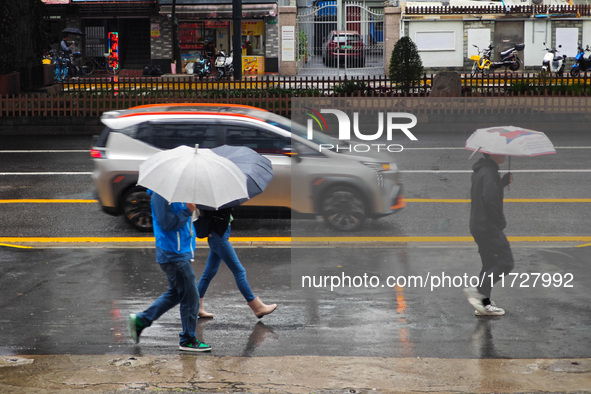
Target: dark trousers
497,259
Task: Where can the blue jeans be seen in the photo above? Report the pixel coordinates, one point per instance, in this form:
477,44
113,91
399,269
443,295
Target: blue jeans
220,249
182,289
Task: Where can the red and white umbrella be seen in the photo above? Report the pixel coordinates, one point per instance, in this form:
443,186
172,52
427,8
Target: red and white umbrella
510,141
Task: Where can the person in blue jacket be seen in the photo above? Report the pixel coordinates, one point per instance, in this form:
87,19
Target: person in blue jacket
175,246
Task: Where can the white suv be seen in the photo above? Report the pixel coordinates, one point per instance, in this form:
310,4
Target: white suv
344,188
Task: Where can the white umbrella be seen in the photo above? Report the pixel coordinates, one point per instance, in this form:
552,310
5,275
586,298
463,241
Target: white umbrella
193,175
510,141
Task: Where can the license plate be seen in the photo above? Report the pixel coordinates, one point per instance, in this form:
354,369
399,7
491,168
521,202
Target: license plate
346,46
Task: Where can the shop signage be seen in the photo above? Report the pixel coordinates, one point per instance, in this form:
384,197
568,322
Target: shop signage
154,29
253,64
113,50
288,43
214,24
253,28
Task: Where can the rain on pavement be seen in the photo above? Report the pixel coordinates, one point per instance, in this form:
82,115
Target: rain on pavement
76,300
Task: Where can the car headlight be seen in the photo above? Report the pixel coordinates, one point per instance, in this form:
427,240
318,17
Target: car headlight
379,168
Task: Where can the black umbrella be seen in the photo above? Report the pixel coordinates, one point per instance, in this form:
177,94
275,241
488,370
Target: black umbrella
72,30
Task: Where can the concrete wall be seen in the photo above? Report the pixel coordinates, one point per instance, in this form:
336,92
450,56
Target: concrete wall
161,47
392,18
271,45
287,17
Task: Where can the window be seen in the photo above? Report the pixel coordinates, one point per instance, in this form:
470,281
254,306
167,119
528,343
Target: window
261,141
171,135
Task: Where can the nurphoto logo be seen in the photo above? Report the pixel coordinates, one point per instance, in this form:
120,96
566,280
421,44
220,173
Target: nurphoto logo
392,122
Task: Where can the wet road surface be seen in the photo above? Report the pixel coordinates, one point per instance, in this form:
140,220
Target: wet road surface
76,301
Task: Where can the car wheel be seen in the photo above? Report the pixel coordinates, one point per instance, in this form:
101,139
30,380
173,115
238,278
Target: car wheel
343,208
136,208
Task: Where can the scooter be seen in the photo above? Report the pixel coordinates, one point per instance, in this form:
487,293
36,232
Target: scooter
509,57
224,65
202,67
481,61
581,64
553,63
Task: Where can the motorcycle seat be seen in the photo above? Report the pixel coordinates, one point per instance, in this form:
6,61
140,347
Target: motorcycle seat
507,52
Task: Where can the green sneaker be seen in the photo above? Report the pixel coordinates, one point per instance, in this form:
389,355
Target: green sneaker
135,327
194,346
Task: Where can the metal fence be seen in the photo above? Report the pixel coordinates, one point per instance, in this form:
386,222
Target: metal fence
361,53
528,10
90,97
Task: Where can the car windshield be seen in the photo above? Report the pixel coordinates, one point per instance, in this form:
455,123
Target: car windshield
346,38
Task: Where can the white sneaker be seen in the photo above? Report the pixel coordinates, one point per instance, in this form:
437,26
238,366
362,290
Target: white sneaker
490,310
475,299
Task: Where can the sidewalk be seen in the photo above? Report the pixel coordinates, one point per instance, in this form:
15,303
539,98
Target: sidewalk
290,374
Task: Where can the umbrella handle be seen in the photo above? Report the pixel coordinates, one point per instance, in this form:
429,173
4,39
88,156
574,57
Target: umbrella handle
509,185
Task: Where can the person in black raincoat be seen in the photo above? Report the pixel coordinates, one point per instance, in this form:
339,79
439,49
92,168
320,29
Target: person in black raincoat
487,222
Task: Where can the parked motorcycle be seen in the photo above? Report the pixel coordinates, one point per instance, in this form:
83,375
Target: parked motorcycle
224,65
202,67
509,58
553,63
581,64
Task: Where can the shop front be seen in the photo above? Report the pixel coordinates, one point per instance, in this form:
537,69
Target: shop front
253,38
117,31
206,29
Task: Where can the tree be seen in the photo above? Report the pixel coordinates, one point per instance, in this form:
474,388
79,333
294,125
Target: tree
406,66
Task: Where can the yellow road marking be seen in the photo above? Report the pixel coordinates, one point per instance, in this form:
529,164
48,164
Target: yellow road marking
17,246
549,238
124,239
528,200
417,200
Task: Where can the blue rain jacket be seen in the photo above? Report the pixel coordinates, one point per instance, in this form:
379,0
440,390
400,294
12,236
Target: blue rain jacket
173,230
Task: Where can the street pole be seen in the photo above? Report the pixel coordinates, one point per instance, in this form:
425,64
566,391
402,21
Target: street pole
176,53
237,38
340,15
